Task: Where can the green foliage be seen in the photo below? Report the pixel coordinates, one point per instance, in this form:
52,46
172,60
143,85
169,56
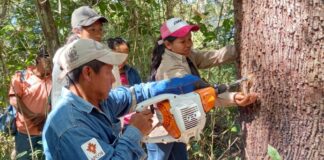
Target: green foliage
139,22
19,41
7,146
273,153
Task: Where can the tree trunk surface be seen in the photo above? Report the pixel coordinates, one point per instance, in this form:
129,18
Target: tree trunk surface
281,43
49,28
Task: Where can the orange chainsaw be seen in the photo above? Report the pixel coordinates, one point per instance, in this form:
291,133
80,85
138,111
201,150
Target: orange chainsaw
182,117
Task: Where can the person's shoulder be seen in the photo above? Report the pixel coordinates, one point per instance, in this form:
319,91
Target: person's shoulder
57,54
58,126
62,117
23,73
132,69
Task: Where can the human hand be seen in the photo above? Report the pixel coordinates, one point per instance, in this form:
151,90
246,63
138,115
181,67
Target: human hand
142,121
243,100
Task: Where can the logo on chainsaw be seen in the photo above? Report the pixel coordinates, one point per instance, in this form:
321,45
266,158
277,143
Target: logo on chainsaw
192,116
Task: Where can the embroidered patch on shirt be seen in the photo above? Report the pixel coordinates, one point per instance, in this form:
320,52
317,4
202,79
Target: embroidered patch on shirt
92,149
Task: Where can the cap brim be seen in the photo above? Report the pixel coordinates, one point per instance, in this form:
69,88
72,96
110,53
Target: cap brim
185,30
110,57
113,58
90,21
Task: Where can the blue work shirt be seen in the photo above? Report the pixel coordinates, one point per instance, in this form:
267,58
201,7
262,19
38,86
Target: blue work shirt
75,129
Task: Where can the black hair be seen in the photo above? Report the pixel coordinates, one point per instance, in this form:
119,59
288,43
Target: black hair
42,53
157,55
113,43
74,75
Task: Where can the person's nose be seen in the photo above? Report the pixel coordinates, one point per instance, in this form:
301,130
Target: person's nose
189,44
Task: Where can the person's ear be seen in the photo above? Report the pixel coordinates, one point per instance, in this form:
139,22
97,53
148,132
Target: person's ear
77,31
168,45
86,73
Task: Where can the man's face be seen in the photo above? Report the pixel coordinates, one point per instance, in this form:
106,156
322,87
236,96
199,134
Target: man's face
102,81
94,31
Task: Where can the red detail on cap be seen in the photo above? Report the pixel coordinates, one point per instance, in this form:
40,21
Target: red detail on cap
184,31
92,148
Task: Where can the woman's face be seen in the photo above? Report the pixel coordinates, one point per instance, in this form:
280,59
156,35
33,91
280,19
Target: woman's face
180,45
122,48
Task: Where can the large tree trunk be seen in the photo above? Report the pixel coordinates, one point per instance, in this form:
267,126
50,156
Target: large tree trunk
44,13
281,44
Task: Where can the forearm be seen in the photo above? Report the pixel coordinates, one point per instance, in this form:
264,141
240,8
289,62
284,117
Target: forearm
182,85
225,100
215,57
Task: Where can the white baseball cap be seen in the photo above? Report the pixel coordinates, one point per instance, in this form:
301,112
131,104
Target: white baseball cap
82,51
176,27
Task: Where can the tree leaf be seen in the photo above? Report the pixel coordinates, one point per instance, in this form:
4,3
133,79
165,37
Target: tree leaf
273,153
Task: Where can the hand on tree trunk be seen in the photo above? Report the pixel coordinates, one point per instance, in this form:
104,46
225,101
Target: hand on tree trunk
243,100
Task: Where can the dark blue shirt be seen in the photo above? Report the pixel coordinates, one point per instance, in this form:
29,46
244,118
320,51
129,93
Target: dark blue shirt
132,75
75,129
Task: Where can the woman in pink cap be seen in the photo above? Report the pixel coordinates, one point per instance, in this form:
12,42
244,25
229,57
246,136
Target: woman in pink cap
173,56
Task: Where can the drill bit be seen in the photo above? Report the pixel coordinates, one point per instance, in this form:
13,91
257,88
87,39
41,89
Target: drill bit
226,87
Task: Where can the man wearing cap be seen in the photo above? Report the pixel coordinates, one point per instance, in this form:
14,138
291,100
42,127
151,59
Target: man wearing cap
85,124
29,91
86,24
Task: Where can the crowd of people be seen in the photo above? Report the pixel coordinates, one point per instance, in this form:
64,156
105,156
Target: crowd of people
73,110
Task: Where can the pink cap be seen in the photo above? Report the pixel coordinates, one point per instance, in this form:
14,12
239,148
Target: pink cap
176,27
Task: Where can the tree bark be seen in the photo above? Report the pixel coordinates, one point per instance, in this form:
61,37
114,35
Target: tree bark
281,44
49,28
4,6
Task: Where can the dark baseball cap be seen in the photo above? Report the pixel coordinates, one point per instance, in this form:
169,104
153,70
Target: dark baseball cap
85,16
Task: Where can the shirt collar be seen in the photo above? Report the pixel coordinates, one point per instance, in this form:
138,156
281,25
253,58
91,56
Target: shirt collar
77,102
176,56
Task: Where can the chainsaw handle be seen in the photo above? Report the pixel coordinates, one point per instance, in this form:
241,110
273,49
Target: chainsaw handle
160,139
141,106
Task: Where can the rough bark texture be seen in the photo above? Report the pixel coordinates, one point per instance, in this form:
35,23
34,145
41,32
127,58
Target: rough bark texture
281,42
44,13
4,7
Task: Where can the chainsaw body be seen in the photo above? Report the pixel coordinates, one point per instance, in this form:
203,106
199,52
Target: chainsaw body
182,116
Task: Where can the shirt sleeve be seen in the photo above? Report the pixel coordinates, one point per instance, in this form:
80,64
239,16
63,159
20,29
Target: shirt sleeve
207,59
119,101
84,143
176,72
